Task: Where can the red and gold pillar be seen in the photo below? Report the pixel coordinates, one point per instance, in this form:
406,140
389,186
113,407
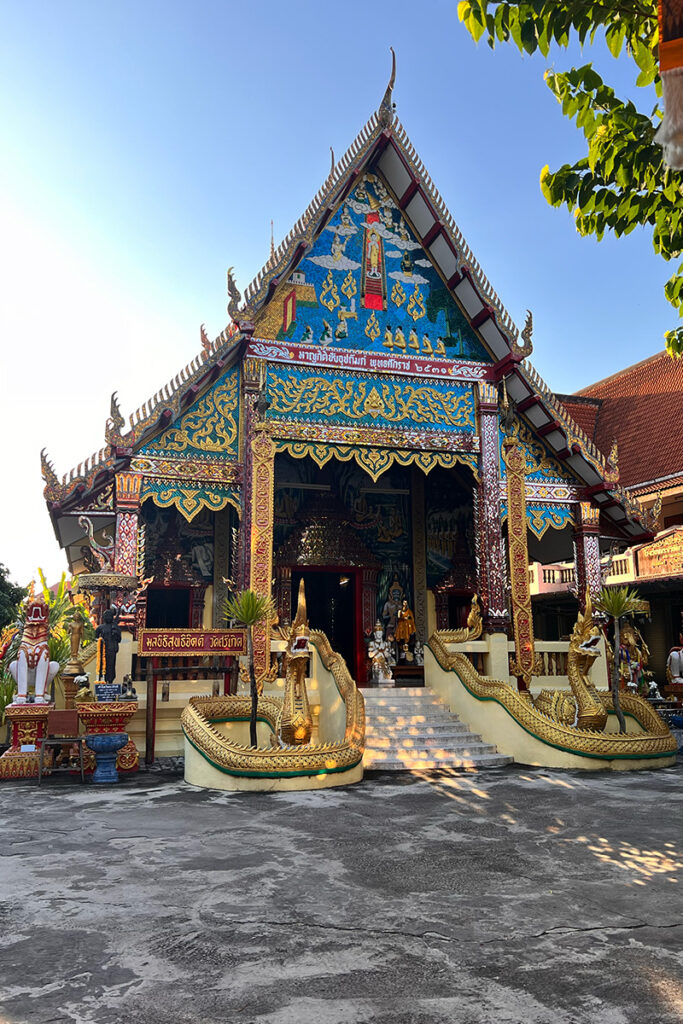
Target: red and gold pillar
489,540
522,619
587,568
261,540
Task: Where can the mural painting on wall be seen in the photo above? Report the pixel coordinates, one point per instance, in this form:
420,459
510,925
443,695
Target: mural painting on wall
450,530
379,514
175,550
368,284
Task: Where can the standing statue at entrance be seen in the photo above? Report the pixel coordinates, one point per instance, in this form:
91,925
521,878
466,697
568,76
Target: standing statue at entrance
405,629
380,654
110,636
33,663
391,606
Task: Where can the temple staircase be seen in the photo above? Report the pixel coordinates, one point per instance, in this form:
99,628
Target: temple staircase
410,728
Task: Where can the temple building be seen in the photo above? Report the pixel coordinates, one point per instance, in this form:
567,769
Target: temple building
348,428
634,415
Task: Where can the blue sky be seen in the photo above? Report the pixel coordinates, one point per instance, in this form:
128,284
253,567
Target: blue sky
146,147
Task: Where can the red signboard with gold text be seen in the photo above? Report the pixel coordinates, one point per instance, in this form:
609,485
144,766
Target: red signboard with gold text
183,643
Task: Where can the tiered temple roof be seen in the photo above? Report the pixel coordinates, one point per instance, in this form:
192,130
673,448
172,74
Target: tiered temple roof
384,146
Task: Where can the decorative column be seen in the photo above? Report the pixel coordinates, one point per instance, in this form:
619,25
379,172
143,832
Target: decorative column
221,564
261,547
127,514
489,540
587,568
126,546
369,599
417,497
522,618
283,593
250,388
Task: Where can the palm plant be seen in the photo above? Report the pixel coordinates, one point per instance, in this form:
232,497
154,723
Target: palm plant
248,609
615,603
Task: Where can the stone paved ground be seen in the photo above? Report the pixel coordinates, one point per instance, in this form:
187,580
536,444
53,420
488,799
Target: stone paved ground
504,896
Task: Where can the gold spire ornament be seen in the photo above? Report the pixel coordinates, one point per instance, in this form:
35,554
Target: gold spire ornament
385,113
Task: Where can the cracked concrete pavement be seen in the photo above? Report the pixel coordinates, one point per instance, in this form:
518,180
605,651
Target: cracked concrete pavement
510,896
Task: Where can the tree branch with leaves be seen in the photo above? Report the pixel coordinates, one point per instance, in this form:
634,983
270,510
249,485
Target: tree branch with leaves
622,182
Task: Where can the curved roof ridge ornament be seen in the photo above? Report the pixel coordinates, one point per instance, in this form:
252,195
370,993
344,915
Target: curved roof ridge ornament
385,113
234,297
525,345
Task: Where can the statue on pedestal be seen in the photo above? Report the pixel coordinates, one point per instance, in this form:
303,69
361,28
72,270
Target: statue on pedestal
380,654
392,606
33,663
110,635
405,629
674,663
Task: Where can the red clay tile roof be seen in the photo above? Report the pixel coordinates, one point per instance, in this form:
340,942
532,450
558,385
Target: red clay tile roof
640,407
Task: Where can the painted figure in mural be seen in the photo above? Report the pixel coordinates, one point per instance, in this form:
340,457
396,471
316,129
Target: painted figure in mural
346,218
440,347
400,339
373,255
202,558
407,264
405,629
413,341
388,337
110,635
427,349
337,247
379,653
33,663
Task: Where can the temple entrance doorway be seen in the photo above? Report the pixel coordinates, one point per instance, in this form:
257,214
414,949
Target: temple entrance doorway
332,602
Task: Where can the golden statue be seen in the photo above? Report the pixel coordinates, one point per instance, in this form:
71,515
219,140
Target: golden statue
587,709
296,723
405,628
427,349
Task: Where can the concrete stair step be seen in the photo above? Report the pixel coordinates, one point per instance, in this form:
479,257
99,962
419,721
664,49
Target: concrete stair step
402,764
418,729
403,692
456,749
447,741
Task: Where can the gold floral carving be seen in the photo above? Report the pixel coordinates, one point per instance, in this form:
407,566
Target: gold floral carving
398,296
376,461
372,327
261,573
209,427
318,395
519,560
188,500
656,742
536,457
329,296
416,307
268,762
349,287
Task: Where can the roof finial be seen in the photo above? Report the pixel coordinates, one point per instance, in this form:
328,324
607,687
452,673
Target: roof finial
386,107
331,161
272,241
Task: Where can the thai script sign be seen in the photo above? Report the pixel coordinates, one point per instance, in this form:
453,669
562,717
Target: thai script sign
107,691
662,557
183,643
376,362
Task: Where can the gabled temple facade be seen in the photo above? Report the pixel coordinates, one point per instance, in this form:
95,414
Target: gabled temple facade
347,428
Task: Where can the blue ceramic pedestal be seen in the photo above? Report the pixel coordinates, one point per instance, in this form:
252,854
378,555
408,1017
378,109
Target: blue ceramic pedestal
105,746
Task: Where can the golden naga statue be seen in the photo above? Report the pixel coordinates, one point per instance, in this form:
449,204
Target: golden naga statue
296,723
586,710
472,630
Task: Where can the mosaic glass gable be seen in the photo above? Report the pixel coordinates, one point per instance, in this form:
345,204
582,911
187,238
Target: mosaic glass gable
209,428
541,465
368,284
